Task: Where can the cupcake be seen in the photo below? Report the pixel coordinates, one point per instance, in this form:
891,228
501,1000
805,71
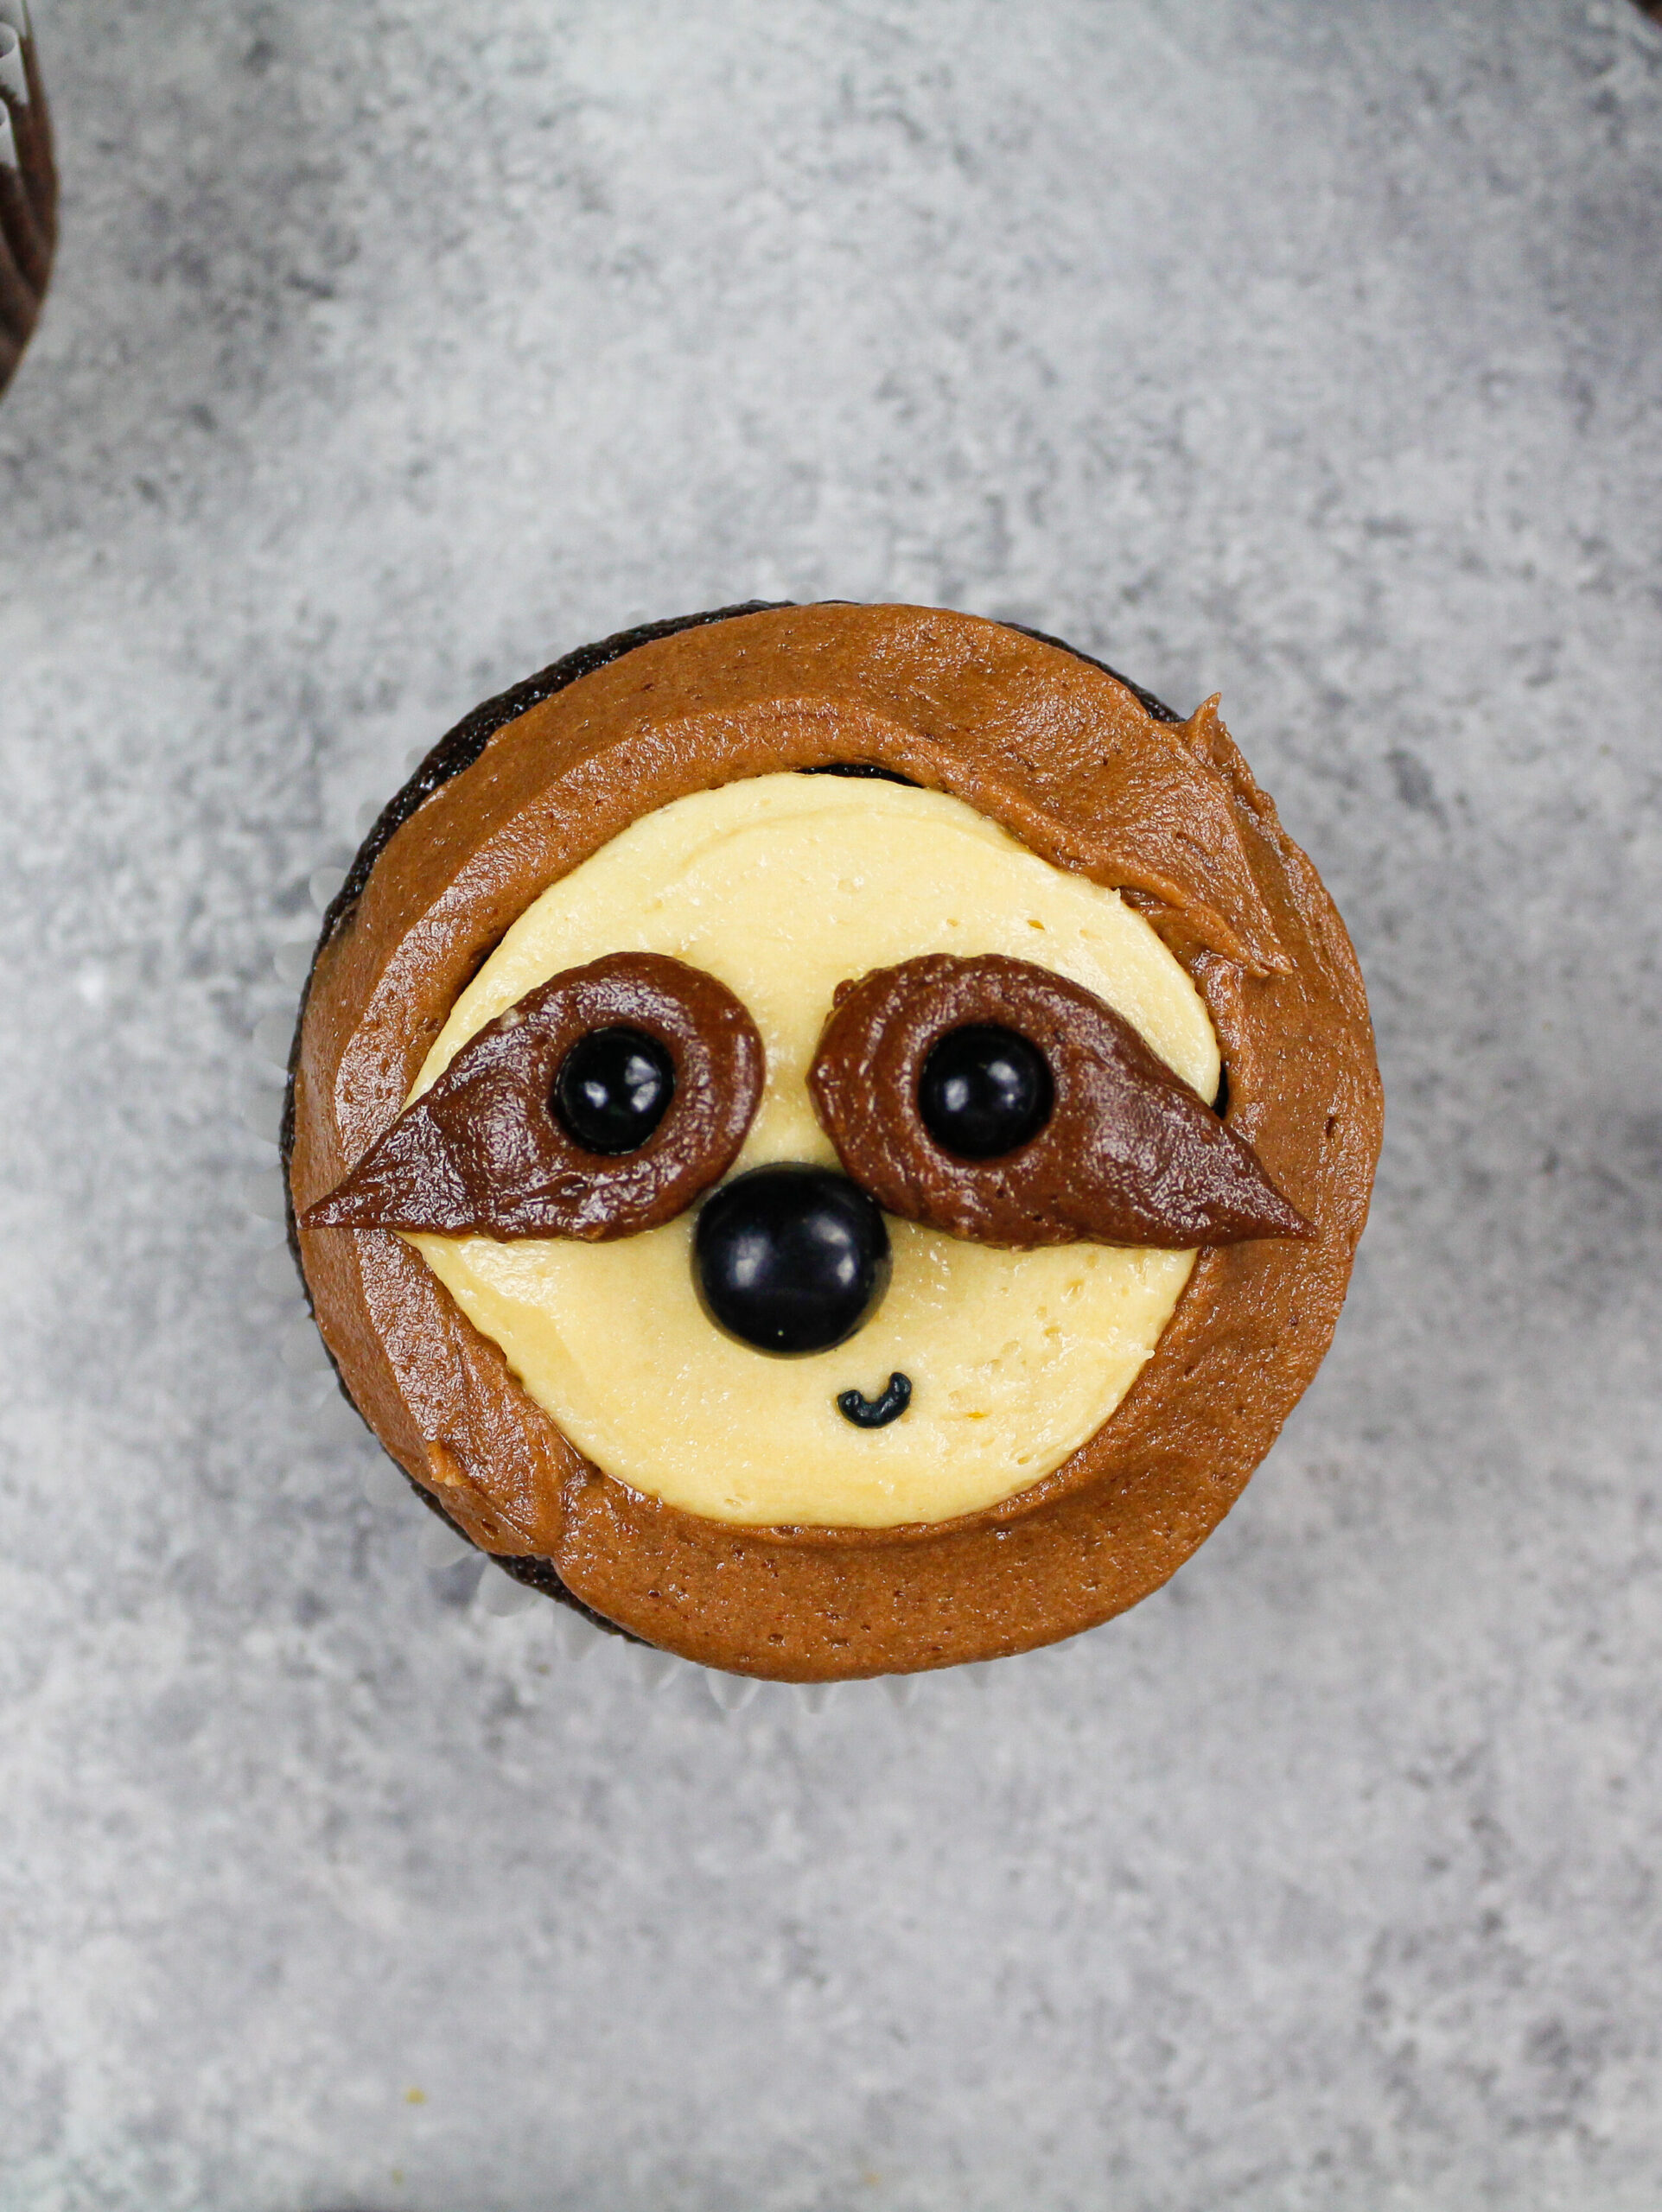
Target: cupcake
28,188
831,1138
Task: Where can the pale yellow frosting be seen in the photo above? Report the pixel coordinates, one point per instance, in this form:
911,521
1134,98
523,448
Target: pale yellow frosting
781,887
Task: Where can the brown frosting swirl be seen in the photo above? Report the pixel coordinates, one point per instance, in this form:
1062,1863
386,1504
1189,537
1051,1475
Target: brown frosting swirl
481,1149
1064,757
1128,1154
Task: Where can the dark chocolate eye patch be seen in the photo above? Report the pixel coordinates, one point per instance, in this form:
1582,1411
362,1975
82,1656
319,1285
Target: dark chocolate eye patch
601,1104
923,1069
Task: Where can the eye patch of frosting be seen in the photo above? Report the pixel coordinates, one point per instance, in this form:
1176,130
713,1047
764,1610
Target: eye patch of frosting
781,887
481,1149
1126,1153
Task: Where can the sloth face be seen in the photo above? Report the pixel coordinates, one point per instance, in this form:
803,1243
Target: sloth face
741,1123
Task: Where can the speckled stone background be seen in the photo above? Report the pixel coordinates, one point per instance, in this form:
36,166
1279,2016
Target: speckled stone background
1312,355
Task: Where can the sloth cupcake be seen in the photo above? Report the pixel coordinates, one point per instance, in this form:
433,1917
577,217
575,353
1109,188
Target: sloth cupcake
28,188
831,1138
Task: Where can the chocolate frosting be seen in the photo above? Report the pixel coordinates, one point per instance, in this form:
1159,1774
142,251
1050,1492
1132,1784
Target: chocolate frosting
482,1149
1128,1154
1064,757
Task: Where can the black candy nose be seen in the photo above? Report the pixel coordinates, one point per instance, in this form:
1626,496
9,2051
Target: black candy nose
790,1259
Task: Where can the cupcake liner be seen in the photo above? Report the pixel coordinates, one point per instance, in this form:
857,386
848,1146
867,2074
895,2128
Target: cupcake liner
494,1589
29,186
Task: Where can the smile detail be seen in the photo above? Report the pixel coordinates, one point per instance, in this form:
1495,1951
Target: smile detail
890,1402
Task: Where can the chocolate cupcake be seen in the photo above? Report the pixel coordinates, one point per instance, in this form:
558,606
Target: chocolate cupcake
28,188
831,1138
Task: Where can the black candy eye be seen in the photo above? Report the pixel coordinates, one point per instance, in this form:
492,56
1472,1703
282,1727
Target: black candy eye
984,1091
613,1088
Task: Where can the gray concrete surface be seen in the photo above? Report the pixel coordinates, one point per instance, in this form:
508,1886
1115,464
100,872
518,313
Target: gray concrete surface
1308,354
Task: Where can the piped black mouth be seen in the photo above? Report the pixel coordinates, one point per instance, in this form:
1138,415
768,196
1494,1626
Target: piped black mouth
890,1402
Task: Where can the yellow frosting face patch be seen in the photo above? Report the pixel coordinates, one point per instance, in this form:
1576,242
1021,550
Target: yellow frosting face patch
782,887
